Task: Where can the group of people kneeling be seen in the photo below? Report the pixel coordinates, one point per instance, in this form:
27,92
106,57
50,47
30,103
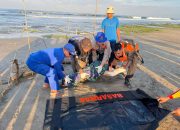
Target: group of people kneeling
84,52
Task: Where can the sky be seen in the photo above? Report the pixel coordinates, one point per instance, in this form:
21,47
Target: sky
154,8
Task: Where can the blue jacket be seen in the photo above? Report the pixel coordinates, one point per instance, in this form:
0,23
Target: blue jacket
52,57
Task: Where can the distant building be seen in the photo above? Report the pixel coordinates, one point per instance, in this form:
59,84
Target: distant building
136,17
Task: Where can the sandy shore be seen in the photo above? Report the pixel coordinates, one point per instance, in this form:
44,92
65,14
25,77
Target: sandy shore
169,35
159,76
8,46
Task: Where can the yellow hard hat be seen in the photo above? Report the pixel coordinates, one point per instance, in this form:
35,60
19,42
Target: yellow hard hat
110,10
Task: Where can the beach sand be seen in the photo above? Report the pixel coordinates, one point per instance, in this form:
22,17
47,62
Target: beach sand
8,46
170,35
159,76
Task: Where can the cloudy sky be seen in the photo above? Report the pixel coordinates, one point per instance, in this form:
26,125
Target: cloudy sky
156,8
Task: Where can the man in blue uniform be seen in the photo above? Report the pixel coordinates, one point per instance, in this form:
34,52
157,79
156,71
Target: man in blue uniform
48,63
110,26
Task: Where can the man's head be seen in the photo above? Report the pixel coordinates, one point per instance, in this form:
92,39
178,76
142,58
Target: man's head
110,12
101,39
69,50
118,50
86,45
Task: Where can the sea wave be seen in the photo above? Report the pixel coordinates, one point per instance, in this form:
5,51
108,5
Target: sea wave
13,21
64,17
97,17
151,18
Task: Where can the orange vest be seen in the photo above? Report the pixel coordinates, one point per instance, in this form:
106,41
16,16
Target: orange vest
127,48
123,58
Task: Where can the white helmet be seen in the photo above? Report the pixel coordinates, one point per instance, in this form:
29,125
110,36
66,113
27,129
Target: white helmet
110,10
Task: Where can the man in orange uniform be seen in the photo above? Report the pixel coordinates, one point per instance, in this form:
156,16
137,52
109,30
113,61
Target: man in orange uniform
126,52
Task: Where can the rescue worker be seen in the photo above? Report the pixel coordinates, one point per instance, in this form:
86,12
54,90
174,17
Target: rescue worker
110,26
174,95
48,63
83,48
127,53
103,50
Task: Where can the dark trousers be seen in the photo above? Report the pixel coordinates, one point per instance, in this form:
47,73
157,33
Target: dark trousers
132,66
112,43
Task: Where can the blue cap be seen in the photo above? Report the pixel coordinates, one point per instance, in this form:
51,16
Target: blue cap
70,48
100,37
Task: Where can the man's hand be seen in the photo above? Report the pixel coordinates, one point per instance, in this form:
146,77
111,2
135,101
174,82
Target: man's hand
84,75
163,99
81,63
67,80
81,71
111,69
176,112
99,69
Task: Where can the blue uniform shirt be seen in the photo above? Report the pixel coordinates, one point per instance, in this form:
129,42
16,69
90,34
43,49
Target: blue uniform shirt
52,57
110,26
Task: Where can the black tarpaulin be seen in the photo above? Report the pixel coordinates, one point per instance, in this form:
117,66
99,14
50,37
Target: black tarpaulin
125,110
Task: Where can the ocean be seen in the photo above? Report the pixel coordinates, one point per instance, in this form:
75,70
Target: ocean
40,23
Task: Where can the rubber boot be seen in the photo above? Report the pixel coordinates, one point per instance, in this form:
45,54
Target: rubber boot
127,81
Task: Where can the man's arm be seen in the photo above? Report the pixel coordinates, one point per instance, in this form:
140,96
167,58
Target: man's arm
107,54
103,26
74,63
118,34
118,30
111,59
59,69
172,96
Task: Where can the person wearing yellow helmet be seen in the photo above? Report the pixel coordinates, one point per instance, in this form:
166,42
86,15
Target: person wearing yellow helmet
110,26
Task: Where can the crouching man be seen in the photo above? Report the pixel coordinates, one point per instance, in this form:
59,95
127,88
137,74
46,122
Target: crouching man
127,53
103,50
83,48
48,63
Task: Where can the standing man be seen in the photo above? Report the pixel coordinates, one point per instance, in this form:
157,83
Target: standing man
110,26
